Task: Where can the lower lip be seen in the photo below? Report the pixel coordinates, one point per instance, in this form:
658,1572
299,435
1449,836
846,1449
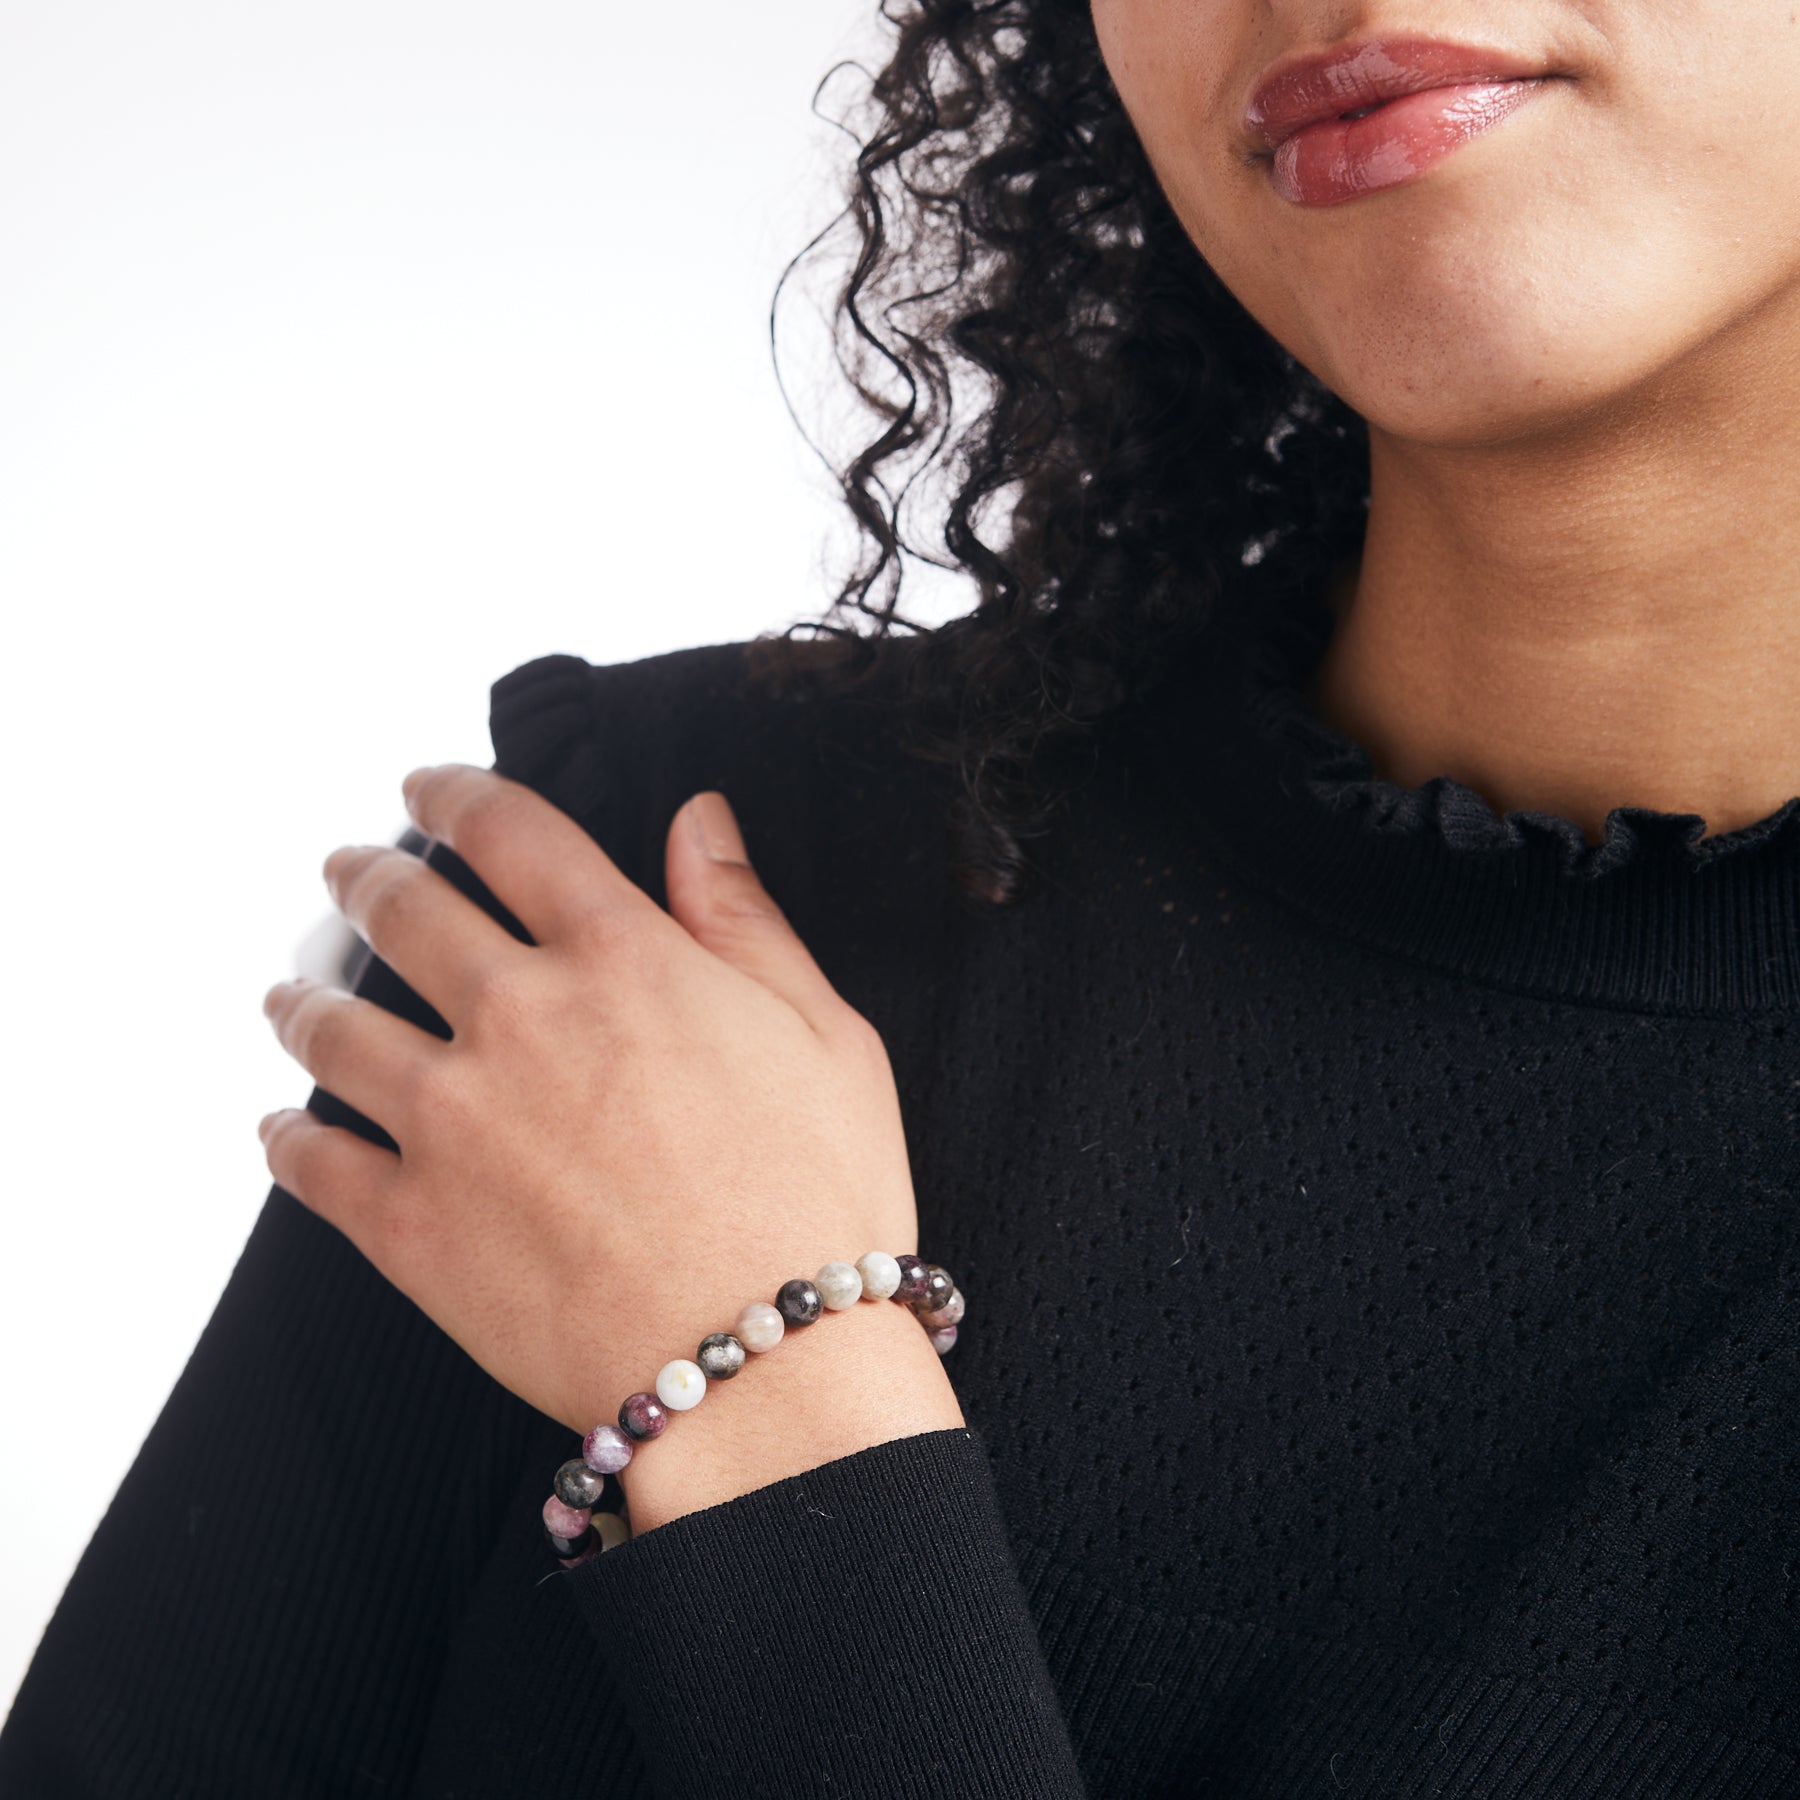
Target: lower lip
1342,159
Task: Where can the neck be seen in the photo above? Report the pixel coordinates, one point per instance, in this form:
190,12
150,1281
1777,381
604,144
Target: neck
1607,617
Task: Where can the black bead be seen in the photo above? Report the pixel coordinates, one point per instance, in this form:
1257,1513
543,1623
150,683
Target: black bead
798,1301
577,1485
567,1547
720,1355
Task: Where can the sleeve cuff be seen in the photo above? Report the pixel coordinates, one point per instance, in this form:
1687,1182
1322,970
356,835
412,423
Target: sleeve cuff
856,1629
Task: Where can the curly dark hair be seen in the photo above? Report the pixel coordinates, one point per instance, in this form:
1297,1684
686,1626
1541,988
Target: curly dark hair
1136,437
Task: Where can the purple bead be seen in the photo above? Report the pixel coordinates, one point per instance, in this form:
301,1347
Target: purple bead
912,1279
798,1301
564,1521
586,1551
938,1288
577,1485
643,1416
950,1313
720,1356
606,1449
943,1339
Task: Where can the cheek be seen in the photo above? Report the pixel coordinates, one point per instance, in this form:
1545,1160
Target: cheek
1626,233
1183,73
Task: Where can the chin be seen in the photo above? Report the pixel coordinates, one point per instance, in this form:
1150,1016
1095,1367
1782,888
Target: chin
1451,356
1473,394
1486,303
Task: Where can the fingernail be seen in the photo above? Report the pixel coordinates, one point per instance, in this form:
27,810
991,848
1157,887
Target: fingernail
413,780
267,1124
715,829
269,999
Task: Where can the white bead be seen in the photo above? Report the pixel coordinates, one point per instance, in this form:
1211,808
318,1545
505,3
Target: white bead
839,1285
759,1326
880,1274
680,1384
611,1530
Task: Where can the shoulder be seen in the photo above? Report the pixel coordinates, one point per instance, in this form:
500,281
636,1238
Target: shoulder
807,762
559,723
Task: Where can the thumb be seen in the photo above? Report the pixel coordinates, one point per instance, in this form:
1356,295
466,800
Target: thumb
721,901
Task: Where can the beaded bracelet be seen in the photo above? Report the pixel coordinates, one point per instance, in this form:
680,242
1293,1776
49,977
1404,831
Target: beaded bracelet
574,1522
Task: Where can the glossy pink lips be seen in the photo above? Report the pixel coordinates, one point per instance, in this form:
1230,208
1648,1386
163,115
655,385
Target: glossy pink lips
1369,116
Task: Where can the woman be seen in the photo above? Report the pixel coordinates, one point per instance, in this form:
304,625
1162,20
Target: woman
1352,1079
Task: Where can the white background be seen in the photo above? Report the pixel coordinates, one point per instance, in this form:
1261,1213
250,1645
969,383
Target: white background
351,354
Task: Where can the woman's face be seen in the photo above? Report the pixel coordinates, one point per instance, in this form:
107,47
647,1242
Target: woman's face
1635,211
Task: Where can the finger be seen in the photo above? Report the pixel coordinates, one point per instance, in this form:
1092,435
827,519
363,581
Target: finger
720,899
540,865
370,1058
436,939
347,1181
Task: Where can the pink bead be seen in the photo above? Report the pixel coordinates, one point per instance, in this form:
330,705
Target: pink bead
565,1521
943,1340
606,1449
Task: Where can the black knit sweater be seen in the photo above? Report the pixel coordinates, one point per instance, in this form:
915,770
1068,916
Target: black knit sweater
1382,1359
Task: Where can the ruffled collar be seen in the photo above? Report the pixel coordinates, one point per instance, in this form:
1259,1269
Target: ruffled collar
1656,916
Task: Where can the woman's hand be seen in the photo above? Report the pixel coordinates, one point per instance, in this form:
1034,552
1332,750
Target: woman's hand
644,1119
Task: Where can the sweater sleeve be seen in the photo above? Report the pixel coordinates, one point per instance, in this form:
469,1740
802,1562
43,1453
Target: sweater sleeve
859,1629
243,1621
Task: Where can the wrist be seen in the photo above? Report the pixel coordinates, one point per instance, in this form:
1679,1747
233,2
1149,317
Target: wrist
844,1383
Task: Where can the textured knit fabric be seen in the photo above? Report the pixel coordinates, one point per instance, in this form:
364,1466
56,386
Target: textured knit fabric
1382,1368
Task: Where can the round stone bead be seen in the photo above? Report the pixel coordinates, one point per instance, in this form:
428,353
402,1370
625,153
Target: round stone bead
911,1288
570,1551
760,1326
839,1285
564,1521
611,1530
720,1356
880,1274
680,1384
938,1288
577,1485
943,1338
950,1313
798,1301
643,1416
606,1449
